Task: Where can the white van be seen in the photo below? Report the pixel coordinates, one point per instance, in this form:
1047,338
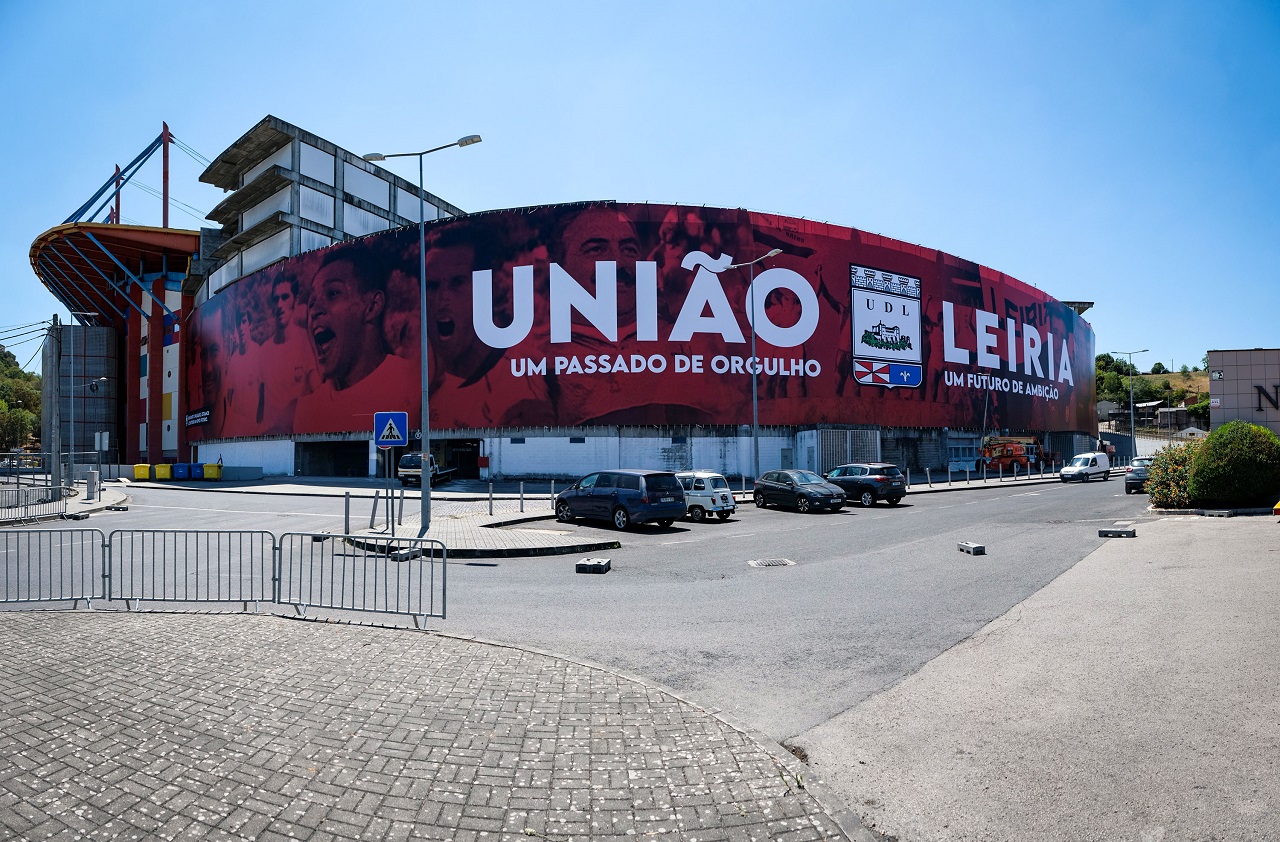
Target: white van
706,492
1085,467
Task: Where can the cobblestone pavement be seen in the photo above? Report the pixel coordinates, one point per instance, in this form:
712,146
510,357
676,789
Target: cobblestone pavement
221,726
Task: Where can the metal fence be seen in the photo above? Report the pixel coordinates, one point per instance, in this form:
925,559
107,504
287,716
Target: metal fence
363,573
43,565
303,570
23,503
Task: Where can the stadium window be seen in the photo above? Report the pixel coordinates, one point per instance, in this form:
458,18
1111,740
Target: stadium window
577,439
517,441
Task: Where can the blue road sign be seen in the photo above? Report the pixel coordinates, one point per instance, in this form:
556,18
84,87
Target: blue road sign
391,429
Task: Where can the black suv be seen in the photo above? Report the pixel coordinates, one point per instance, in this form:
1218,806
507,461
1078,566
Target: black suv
623,498
803,489
868,482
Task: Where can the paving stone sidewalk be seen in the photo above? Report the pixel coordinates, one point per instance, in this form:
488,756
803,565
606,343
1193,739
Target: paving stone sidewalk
223,726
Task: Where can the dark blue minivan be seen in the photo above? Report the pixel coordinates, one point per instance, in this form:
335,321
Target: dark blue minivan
623,498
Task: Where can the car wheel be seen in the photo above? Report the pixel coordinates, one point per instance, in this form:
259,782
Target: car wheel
802,505
1128,490
760,504
621,520
1106,475
723,515
666,521
867,499
564,514
696,514
1085,477
893,501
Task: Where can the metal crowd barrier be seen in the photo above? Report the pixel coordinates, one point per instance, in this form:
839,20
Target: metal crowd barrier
30,502
175,565
45,565
304,570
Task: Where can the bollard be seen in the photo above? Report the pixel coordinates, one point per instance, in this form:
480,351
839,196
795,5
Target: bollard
928,480
346,515
491,498
373,515
1001,466
521,495
553,492
91,485
908,478
966,476
948,474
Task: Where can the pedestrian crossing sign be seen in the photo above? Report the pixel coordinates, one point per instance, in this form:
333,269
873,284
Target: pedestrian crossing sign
391,429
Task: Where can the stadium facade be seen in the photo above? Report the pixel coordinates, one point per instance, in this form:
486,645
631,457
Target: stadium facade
568,338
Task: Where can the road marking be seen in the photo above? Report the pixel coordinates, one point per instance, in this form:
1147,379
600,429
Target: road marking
230,511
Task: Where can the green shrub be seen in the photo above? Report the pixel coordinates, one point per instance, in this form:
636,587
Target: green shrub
1169,476
1239,464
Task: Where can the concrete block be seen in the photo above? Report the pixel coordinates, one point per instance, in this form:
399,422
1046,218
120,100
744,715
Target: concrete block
1219,513
594,565
971,548
117,508
1118,532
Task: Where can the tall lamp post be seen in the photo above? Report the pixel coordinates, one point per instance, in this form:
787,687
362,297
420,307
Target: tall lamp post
755,402
422,306
1133,431
80,316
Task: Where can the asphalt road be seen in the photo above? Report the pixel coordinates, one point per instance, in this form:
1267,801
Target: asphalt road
873,594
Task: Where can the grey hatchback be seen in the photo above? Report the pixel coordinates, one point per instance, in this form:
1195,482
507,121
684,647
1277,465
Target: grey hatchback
1135,476
623,498
803,489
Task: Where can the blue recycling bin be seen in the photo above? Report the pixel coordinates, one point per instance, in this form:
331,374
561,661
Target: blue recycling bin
197,470
181,470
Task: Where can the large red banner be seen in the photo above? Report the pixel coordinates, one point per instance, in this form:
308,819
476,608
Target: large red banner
607,313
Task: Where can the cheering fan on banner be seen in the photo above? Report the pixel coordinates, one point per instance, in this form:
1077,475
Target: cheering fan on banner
358,371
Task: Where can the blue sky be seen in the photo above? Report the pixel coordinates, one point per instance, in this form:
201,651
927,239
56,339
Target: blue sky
1126,154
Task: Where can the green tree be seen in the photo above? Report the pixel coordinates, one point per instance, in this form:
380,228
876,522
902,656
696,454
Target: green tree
1186,372
1159,368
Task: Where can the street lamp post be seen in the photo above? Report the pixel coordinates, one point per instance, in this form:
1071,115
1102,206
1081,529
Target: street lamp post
1133,431
751,317
422,307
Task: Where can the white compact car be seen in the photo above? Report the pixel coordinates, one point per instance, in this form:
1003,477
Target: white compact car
1086,466
706,492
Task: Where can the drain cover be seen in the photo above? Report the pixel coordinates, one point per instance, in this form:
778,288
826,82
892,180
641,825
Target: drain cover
771,562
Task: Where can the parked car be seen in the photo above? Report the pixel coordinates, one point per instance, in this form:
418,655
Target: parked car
706,492
1086,466
804,490
868,482
1135,476
410,468
623,498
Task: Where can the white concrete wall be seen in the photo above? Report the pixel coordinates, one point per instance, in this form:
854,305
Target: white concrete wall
274,457
558,457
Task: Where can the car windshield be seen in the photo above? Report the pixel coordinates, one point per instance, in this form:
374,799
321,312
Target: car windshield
806,477
1080,462
1142,463
659,483
887,471
411,460
719,482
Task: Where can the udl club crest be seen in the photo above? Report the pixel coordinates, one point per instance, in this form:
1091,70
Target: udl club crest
886,328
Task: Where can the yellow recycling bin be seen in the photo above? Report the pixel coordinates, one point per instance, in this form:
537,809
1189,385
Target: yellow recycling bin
142,472
164,471
213,472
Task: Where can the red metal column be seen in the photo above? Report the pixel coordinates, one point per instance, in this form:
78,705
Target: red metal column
134,399
164,138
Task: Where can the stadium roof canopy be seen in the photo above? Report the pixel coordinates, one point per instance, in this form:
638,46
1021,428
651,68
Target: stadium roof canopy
92,267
